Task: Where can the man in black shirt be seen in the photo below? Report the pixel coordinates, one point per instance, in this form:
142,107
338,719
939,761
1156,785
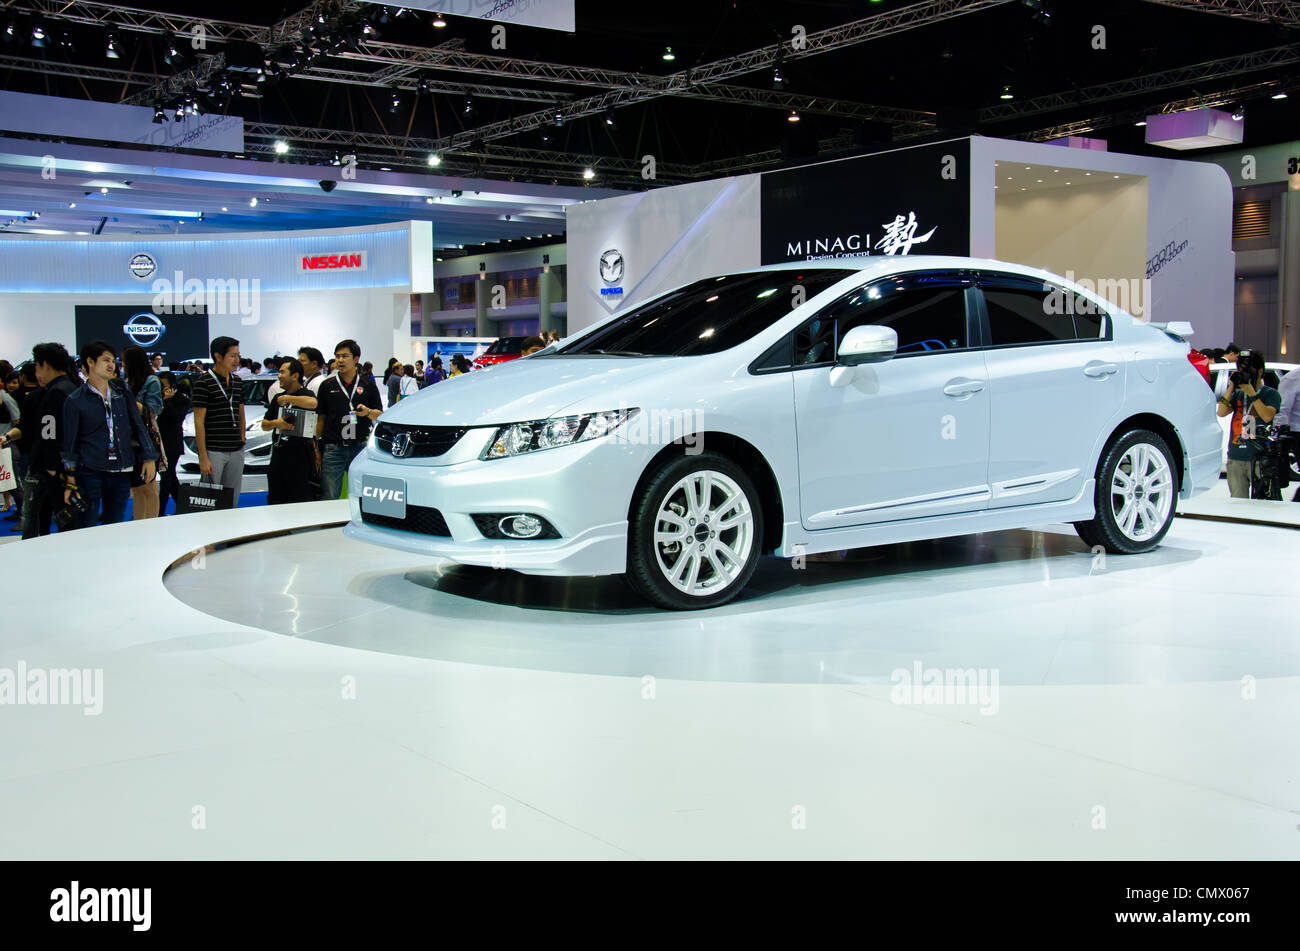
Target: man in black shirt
293,457
176,406
346,405
42,437
219,418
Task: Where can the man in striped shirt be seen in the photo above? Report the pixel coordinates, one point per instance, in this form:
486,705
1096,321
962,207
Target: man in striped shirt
219,418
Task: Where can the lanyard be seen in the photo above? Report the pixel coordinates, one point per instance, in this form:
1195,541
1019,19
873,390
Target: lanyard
108,419
356,382
230,397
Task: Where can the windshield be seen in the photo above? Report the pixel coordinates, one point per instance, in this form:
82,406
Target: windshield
708,316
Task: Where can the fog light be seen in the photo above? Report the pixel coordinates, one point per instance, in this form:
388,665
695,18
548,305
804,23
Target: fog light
520,526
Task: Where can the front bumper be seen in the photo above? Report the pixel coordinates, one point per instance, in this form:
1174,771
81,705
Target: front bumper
583,491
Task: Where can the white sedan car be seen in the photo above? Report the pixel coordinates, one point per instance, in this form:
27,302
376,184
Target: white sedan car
796,409
257,448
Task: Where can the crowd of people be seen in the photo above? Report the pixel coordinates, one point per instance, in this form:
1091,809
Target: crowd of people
88,434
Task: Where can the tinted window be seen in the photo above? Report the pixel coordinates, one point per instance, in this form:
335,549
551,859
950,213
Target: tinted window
708,316
928,313
926,319
506,345
1027,316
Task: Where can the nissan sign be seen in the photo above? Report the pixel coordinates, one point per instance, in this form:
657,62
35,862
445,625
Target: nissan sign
144,329
346,261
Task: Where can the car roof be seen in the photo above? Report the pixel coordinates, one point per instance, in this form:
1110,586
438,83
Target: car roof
874,264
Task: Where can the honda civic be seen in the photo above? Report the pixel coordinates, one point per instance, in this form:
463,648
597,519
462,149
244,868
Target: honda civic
795,409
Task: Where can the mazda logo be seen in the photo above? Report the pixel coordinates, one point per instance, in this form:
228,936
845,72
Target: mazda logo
144,329
611,266
401,444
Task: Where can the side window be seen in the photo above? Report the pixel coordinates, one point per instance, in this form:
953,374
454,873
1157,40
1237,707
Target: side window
814,342
925,318
1026,316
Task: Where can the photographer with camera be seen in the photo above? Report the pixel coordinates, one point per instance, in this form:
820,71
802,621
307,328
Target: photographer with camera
100,420
293,430
1252,406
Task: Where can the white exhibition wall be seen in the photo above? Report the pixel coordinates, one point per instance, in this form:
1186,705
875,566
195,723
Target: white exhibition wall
43,281
1189,258
677,234
667,237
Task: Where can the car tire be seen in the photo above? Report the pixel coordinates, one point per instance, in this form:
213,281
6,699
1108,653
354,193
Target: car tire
1133,514
678,502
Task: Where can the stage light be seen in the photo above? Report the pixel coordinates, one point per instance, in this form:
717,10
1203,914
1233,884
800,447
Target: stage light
588,174
438,21
252,202
435,159
793,116
281,147
669,56
1006,93
110,52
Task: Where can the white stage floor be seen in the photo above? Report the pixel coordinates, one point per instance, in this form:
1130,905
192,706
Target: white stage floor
310,696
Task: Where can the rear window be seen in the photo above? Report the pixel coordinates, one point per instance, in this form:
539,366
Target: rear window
708,316
506,345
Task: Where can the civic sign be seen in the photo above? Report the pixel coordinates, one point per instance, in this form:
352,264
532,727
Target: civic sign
346,261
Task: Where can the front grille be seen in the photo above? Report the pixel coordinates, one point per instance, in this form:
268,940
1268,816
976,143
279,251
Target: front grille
426,441
425,521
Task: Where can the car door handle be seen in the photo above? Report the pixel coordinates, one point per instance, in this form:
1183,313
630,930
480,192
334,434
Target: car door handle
1100,369
960,388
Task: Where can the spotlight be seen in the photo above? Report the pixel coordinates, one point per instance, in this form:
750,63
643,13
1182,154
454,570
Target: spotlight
438,21
169,45
1280,95
1239,113
281,147
435,158
609,118
1006,93
428,200
778,79
669,55
103,191
588,174
252,202
397,103
559,118
110,52
793,116
38,37
469,106
158,115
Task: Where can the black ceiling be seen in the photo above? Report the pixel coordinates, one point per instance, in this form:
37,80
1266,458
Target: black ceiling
952,68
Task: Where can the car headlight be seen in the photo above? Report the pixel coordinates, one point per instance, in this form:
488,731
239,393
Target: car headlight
519,438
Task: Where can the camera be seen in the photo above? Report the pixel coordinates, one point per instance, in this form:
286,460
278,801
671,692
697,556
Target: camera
76,507
1243,376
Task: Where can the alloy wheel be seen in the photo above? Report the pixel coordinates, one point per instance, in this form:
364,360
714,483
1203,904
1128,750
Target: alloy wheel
1141,492
703,533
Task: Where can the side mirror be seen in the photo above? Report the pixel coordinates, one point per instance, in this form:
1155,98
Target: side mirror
867,344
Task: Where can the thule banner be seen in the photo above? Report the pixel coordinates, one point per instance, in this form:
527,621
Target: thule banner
907,201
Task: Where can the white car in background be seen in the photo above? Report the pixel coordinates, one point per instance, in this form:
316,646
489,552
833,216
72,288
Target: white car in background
1219,373
794,409
257,448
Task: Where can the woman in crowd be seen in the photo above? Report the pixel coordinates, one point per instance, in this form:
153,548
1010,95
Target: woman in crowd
147,391
436,373
9,419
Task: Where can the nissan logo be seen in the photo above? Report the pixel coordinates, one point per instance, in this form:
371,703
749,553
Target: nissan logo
611,266
142,266
144,329
401,444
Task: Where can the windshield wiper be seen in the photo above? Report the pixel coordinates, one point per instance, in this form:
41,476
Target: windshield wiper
617,353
